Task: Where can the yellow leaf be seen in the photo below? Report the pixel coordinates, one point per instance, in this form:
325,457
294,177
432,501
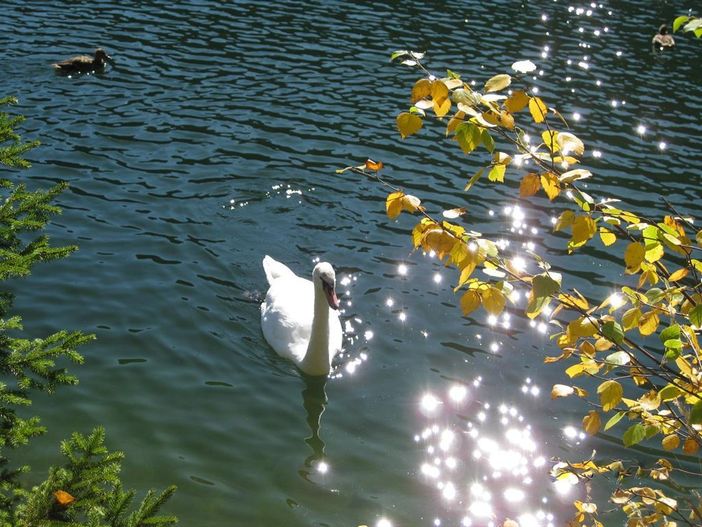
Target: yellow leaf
653,252
690,446
506,120
497,173
650,400
591,422
63,498
393,204
530,185
582,327
648,323
679,274
442,108
611,393
565,220
421,89
408,124
470,301
561,390
630,319
551,185
454,122
603,344
633,257
670,442
549,138
466,271
493,300
538,109
498,82
583,229
607,236
517,101
439,92
439,241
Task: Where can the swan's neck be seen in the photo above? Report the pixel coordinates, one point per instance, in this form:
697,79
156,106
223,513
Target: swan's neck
316,361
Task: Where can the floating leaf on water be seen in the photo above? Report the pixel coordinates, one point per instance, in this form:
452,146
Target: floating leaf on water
452,214
524,66
561,390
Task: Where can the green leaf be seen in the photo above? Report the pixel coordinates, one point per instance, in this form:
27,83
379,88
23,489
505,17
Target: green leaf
696,414
619,358
452,74
398,53
635,434
613,331
487,140
614,420
670,392
543,286
679,21
672,332
696,316
468,136
673,344
475,178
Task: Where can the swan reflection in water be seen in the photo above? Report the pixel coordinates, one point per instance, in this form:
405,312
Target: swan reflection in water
314,401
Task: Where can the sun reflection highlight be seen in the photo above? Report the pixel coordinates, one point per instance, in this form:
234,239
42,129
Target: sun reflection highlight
504,473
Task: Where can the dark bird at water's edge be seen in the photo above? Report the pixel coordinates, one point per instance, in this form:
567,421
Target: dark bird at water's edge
662,39
84,63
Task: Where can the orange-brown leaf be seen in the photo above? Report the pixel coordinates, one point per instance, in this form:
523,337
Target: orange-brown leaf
63,498
376,166
517,101
421,89
530,185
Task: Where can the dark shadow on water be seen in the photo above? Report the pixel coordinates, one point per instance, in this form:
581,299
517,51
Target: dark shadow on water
314,401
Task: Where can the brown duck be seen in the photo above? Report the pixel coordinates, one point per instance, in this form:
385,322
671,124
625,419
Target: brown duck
663,39
84,63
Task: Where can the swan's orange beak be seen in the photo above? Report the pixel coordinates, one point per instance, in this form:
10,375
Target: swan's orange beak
330,293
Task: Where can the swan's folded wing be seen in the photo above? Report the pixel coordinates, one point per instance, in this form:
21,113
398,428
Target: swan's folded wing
274,270
286,317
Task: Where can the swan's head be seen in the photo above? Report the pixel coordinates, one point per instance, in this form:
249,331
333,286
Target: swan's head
324,276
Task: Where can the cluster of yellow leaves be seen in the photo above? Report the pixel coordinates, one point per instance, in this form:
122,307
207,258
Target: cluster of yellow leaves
666,302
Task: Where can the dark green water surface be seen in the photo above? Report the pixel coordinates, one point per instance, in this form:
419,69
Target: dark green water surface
214,140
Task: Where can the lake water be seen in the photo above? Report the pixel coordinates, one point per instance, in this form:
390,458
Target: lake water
214,140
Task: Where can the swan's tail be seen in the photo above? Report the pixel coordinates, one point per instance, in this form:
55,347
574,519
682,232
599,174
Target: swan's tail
275,269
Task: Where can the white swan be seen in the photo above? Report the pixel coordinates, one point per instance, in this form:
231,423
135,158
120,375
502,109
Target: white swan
299,318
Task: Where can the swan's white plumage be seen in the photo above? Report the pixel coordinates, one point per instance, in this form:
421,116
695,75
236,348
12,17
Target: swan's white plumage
290,317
